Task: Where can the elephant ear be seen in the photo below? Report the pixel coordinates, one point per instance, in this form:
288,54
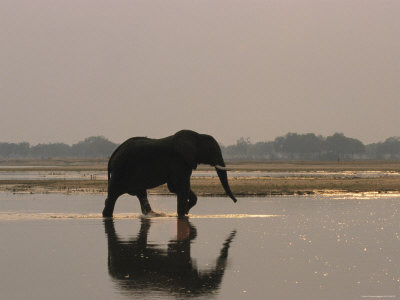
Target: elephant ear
187,150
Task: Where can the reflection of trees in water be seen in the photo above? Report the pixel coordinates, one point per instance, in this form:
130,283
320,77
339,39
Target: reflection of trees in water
138,266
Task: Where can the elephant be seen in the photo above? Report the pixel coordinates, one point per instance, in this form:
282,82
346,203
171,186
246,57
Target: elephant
141,163
138,266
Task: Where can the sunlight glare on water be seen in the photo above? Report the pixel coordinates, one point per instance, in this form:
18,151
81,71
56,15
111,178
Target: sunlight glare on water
365,196
295,247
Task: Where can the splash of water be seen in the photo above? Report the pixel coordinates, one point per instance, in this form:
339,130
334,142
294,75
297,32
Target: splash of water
17,216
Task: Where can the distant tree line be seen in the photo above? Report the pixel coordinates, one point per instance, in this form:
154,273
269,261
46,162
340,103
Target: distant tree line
292,146
92,147
309,146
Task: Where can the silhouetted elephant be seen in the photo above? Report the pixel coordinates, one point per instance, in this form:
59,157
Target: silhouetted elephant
141,163
137,266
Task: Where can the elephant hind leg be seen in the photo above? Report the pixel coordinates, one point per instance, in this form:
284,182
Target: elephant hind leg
109,205
144,202
114,191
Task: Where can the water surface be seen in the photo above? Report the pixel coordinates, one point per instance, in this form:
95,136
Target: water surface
298,247
102,175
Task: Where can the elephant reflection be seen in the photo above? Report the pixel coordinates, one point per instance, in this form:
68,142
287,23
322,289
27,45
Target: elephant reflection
139,267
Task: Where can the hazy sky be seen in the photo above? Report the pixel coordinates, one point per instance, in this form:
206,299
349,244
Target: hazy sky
259,69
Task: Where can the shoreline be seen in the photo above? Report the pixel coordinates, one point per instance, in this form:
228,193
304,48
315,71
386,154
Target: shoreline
241,187
210,186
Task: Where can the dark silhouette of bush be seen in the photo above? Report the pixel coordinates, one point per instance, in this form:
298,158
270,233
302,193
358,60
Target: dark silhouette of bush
96,147
291,146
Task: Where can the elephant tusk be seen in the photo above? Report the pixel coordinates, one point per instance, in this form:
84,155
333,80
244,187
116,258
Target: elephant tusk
221,168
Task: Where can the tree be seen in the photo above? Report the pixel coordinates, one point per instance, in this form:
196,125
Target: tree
12,150
342,147
262,150
388,149
299,145
239,150
50,150
95,146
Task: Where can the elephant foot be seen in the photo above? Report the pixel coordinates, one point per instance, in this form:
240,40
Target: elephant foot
107,215
146,208
183,215
109,205
182,212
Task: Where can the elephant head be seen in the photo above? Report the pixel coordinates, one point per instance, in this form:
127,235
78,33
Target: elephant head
197,149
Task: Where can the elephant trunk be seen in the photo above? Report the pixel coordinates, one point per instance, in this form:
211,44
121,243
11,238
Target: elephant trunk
223,177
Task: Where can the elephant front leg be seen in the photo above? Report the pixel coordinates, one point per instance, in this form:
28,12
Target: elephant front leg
186,200
192,201
183,203
180,184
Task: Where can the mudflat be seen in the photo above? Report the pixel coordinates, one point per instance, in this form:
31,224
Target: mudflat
246,178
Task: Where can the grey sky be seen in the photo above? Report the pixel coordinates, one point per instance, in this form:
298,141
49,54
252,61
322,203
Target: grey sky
258,69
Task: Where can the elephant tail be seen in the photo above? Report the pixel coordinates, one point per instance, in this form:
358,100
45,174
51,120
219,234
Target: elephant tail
109,161
109,170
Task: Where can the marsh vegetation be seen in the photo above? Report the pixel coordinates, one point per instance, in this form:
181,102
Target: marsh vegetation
275,178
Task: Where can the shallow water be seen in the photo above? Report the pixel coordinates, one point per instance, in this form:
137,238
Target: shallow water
332,247
102,175
52,175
